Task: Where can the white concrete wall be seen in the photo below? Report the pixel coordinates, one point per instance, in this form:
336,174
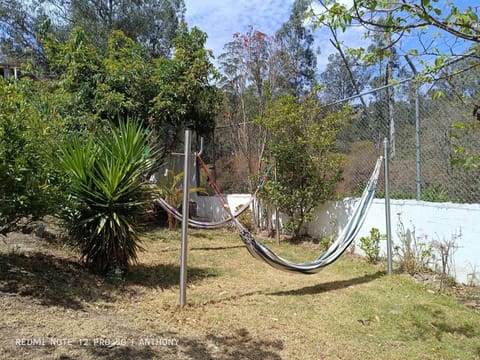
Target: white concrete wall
431,221
209,207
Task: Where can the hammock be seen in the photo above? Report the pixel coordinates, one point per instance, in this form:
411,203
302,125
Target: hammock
262,252
214,224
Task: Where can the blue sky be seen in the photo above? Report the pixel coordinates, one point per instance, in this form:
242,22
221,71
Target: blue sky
220,19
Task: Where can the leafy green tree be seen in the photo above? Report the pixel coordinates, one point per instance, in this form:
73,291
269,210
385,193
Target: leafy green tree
249,80
417,18
152,23
299,60
185,95
336,80
456,25
110,194
302,144
30,131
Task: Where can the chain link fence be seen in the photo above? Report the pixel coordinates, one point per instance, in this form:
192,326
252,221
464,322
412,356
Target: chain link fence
417,119
419,122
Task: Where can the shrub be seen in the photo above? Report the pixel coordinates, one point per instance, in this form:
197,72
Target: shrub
110,194
29,136
371,245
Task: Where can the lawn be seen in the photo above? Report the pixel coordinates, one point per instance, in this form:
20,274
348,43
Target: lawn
237,307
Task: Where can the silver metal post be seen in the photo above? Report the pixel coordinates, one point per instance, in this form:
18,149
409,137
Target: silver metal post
387,206
185,206
277,215
417,145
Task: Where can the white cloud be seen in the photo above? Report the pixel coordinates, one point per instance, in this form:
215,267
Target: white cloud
220,19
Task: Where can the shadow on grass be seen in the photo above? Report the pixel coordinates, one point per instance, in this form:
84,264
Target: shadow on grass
332,285
51,280
165,276
430,323
212,248
240,345
161,345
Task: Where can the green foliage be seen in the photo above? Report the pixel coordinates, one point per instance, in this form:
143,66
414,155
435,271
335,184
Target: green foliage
298,60
465,145
184,95
29,135
110,194
152,23
371,245
303,146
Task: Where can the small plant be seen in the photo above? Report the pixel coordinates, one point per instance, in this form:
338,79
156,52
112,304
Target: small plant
414,253
446,249
325,243
114,276
371,245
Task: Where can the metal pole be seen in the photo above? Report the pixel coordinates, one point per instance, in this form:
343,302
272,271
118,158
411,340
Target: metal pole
417,144
185,206
277,219
387,206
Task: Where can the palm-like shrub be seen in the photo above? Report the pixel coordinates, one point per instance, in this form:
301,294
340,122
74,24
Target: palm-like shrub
110,194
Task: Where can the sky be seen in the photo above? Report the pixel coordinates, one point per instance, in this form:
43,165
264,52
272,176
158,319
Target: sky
220,19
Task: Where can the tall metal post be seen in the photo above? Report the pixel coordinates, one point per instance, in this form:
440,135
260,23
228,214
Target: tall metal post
277,215
185,206
418,145
387,205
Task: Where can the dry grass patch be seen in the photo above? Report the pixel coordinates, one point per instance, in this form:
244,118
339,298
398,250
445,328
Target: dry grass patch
238,308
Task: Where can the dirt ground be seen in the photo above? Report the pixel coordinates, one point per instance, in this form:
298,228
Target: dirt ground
41,280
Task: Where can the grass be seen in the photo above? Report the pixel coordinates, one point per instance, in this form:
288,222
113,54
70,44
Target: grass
238,308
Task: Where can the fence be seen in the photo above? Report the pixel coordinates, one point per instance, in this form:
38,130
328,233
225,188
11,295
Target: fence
419,122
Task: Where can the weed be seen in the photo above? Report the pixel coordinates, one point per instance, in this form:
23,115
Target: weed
446,249
414,253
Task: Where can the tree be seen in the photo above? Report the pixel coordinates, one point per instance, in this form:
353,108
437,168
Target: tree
152,23
336,80
20,22
185,95
302,145
249,78
420,19
30,132
415,19
298,59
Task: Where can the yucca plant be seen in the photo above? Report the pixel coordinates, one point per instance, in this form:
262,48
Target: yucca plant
110,194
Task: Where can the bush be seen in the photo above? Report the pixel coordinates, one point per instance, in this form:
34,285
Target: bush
29,136
110,194
371,245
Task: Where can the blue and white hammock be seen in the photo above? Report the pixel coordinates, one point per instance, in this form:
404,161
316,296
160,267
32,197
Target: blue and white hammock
262,252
